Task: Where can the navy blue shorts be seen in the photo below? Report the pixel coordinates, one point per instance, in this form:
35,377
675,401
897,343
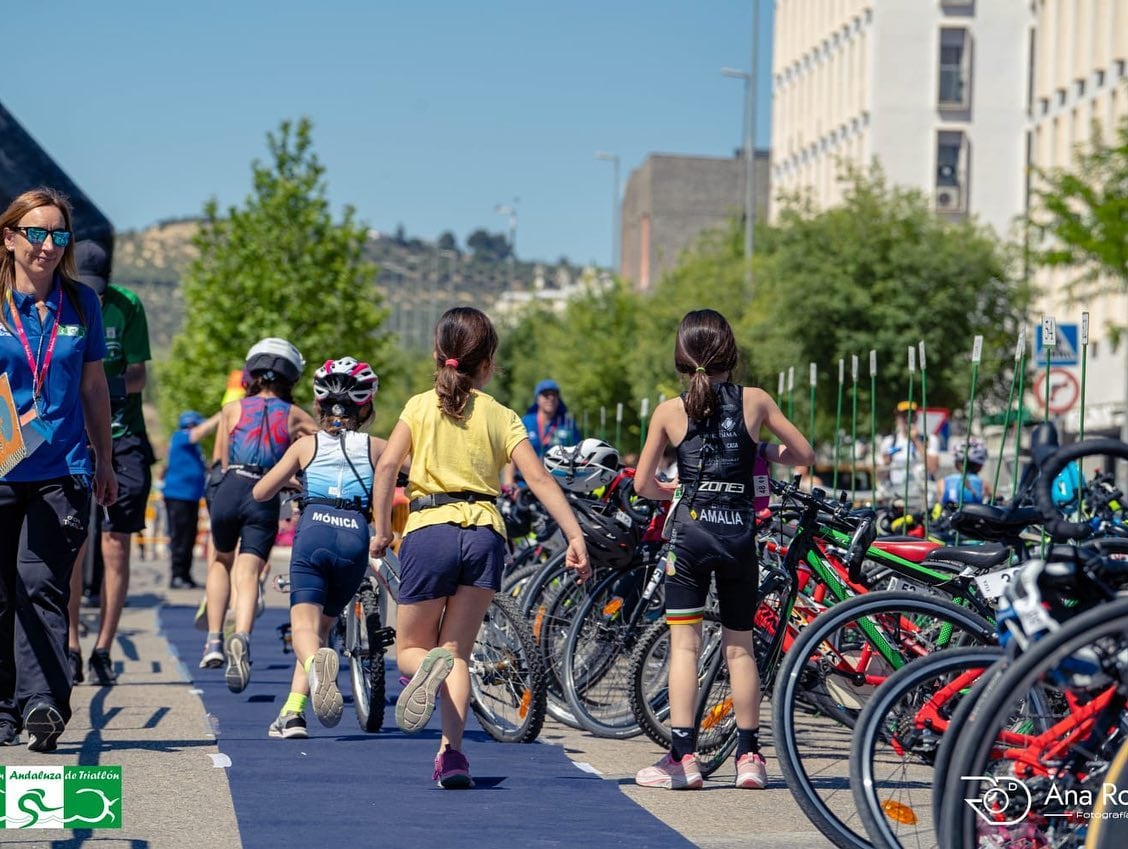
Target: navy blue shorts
329,558
237,519
436,560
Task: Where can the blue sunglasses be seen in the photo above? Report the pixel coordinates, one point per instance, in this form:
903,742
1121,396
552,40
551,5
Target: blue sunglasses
38,235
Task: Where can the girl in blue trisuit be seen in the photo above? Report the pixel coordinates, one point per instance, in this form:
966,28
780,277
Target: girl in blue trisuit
330,553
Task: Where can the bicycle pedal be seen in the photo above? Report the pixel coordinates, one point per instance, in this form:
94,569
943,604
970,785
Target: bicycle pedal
287,640
384,637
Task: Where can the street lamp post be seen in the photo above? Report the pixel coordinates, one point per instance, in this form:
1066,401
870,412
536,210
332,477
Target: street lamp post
614,160
511,211
749,78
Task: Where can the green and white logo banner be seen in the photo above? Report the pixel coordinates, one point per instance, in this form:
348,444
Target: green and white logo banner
60,797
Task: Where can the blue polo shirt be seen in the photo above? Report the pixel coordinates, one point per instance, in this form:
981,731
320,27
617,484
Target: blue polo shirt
61,401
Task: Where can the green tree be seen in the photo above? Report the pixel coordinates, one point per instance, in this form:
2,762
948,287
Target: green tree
881,271
1083,211
279,265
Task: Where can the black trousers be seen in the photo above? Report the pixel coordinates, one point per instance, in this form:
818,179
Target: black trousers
42,526
183,522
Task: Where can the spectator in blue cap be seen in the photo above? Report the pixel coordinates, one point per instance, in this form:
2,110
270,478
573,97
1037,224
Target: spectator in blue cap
547,423
547,419
184,478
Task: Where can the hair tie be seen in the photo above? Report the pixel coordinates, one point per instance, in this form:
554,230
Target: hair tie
701,369
452,362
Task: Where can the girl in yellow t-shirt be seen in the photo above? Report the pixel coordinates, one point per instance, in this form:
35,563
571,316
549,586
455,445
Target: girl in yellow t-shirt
453,548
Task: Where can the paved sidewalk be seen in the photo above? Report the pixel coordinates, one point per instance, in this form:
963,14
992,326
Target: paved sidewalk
175,789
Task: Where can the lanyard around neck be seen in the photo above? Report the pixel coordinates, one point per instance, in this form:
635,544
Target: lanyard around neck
38,370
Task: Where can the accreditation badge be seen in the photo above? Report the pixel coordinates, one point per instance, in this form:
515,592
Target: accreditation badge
20,435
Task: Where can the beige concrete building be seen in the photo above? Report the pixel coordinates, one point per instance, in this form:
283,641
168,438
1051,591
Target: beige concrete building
1080,78
671,200
934,90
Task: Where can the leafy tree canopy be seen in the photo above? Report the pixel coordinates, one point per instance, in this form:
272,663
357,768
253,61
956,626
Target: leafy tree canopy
1084,213
488,246
279,265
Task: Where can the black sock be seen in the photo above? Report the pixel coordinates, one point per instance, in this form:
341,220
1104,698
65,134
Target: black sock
747,740
684,742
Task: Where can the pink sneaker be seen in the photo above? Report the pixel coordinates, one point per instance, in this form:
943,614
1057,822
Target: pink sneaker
751,771
452,770
669,774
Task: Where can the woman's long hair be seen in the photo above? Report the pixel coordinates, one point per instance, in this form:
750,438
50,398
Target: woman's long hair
67,269
465,339
705,346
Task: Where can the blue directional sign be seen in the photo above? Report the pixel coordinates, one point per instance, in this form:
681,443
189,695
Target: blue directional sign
1064,353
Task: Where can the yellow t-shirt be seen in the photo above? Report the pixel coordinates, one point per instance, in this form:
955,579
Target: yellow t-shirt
452,455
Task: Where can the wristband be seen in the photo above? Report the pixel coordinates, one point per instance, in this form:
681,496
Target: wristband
116,386
762,451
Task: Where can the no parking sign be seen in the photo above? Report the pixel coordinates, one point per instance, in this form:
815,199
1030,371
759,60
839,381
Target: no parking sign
1060,387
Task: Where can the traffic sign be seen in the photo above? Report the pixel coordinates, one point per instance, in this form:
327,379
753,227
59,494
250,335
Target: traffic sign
1064,390
1064,353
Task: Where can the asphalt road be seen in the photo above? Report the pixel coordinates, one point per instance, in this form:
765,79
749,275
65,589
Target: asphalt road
176,791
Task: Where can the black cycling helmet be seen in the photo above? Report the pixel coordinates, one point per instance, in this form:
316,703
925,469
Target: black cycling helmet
611,543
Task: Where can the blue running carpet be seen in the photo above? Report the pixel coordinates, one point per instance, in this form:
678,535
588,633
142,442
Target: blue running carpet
345,787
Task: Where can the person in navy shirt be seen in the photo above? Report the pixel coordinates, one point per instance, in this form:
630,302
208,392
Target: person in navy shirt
51,349
184,478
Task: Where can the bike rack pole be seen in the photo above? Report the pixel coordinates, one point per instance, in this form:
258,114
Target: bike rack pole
1019,348
854,430
911,418
814,381
791,393
838,422
976,355
924,427
1084,365
873,424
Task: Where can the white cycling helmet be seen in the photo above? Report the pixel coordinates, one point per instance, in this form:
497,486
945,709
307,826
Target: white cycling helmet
582,468
976,452
345,381
275,358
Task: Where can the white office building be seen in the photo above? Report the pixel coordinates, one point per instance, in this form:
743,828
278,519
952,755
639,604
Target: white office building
1080,78
934,90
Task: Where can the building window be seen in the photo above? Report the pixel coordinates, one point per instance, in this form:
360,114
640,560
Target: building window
955,68
951,172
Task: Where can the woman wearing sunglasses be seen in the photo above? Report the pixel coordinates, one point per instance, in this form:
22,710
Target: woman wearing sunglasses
51,349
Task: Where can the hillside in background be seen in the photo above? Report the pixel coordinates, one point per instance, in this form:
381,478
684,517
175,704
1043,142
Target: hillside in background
419,279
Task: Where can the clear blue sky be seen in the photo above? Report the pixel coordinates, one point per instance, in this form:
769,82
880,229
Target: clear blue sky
425,113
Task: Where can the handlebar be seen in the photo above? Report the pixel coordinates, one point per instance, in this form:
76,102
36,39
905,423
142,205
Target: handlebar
1056,525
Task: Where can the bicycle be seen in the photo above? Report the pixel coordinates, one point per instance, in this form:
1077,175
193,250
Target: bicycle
507,687
359,635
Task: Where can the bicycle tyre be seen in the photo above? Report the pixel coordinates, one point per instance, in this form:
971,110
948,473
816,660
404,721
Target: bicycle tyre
795,675
597,651
991,712
882,719
507,688
366,659
1111,832
550,624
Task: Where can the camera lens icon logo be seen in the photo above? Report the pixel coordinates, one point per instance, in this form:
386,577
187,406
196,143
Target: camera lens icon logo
1002,800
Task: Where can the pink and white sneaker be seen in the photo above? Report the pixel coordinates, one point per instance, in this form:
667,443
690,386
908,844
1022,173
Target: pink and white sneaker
751,772
669,774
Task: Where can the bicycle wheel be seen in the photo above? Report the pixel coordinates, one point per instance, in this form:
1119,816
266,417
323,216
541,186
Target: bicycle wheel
649,673
596,664
507,691
366,644
831,671
550,625
1036,749
1108,827
896,740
